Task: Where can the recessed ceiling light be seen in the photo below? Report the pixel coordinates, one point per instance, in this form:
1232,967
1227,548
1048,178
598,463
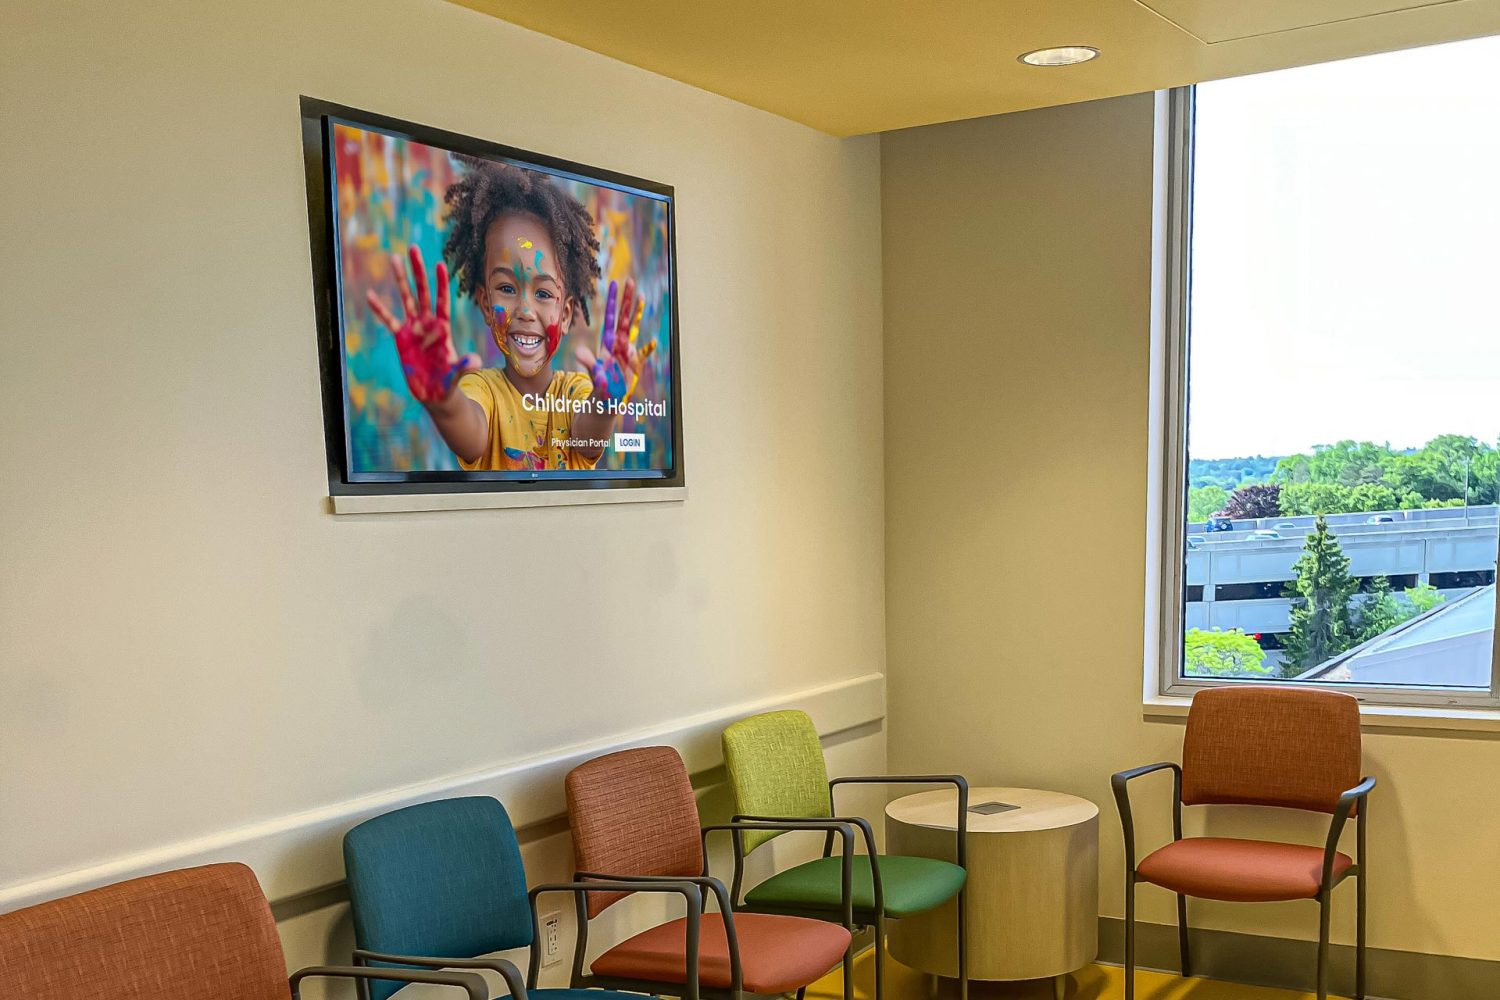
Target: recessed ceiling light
1062,55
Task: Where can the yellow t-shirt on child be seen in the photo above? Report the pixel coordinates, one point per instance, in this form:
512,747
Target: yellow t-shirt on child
521,438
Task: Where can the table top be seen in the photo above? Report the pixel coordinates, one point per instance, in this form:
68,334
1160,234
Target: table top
1037,810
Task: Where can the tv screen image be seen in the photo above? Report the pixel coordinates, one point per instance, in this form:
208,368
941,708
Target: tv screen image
499,318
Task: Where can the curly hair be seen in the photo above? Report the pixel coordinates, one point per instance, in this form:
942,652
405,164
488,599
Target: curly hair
487,191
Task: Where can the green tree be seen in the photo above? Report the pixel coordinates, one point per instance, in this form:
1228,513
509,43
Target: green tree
1362,476
1320,621
1423,598
1484,477
1206,500
1315,498
1349,463
1382,610
1222,654
1379,612
1439,470
1370,497
1335,498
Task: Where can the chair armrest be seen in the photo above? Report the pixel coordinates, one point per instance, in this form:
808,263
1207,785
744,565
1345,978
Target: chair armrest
830,824
470,982
902,779
865,829
617,883
1119,784
507,969
1358,795
740,824
713,885
684,887
958,781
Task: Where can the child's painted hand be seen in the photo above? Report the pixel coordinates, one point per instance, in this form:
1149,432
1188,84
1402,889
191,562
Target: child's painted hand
617,366
424,337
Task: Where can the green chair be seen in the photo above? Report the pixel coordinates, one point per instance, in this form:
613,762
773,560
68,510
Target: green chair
778,774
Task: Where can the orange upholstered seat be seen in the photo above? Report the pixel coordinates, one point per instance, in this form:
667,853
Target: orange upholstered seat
1244,871
1286,746
778,954
634,815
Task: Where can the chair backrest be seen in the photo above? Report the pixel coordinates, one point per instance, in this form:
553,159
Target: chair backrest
633,813
194,934
440,879
776,768
1271,746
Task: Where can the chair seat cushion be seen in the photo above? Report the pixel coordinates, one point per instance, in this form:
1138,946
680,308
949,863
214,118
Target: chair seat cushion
908,885
777,954
1247,871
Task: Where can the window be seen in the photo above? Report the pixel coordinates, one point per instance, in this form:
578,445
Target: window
1330,378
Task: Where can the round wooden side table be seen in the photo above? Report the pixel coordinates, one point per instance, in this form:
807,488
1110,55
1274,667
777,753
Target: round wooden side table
1033,889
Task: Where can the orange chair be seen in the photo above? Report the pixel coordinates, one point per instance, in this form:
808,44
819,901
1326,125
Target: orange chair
1298,748
635,821
194,934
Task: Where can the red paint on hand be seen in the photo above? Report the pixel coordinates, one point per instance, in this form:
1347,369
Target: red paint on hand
424,335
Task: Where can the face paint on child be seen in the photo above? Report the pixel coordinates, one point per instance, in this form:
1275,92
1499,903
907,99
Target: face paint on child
498,327
525,286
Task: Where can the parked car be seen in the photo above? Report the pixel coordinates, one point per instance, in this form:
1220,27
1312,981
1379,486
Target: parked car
1286,526
1380,519
1263,534
1219,524
1194,542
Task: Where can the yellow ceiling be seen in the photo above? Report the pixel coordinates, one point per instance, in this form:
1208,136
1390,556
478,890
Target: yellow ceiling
855,66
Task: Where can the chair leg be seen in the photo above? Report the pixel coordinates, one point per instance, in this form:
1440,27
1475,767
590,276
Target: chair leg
1359,937
879,956
1323,915
802,993
1182,937
963,950
849,972
1130,936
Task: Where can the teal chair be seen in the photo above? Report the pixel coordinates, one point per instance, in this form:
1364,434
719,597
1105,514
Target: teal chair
778,774
439,884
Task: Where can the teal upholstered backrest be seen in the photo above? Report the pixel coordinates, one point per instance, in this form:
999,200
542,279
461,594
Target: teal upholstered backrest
441,879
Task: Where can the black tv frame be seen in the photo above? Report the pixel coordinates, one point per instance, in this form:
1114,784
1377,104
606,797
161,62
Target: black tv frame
317,157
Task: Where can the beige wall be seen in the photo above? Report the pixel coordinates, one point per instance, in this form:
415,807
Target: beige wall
1017,325
188,641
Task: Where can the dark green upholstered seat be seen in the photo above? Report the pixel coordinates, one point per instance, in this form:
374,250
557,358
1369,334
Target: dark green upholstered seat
910,885
778,773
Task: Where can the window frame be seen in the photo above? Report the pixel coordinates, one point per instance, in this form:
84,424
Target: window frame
1167,502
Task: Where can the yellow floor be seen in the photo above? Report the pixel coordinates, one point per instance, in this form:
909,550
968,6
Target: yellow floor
1097,982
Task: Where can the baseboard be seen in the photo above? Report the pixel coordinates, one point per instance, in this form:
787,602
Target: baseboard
1290,964
299,856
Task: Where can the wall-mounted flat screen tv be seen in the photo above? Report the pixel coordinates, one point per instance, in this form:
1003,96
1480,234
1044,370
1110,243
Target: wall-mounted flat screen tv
490,319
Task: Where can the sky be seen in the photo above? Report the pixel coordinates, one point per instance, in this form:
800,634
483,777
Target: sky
1346,254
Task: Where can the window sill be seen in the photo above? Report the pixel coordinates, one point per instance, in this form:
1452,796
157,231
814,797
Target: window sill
1409,718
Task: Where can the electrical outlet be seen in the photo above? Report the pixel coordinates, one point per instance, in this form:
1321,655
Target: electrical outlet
551,933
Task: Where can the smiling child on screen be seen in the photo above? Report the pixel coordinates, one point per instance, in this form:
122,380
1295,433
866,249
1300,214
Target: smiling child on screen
526,253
